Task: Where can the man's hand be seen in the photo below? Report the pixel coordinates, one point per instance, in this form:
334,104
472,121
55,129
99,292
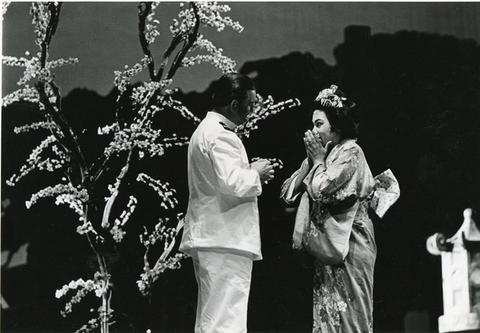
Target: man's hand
264,169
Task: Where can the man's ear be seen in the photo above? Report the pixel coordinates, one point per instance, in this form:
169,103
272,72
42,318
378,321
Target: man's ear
234,105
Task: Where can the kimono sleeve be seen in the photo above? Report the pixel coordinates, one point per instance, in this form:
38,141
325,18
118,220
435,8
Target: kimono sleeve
233,173
286,191
338,181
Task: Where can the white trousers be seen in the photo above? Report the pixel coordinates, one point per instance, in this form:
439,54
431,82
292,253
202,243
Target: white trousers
223,280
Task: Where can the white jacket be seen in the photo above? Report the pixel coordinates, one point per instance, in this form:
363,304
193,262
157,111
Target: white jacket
222,209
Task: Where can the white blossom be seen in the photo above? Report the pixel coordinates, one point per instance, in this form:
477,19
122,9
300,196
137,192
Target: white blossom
40,19
150,276
33,126
215,56
116,231
210,14
5,5
141,134
90,326
33,68
182,109
328,97
122,78
107,129
98,285
34,161
151,24
69,194
165,261
166,194
262,110
27,94
143,93
61,62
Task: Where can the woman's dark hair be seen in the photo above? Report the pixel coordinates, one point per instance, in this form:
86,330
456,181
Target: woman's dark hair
341,118
231,86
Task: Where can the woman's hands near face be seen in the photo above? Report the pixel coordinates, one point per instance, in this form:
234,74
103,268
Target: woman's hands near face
316,152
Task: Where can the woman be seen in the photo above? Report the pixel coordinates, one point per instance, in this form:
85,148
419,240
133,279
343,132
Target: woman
336,182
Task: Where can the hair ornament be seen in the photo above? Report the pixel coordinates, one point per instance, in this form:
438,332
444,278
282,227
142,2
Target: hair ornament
328,97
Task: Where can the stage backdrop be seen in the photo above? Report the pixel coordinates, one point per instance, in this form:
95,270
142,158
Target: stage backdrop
103,35
414,70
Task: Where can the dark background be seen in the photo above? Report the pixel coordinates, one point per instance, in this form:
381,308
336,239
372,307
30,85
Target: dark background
418,106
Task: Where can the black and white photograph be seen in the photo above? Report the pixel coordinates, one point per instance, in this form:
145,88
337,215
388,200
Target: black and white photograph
240,166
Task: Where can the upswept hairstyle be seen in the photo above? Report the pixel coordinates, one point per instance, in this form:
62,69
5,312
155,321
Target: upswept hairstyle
231,86
338,109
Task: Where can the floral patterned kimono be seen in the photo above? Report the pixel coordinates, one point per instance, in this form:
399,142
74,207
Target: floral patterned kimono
342,293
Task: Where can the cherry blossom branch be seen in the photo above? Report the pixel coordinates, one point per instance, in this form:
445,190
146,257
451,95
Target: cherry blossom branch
51,105
192,36
138,134
144,10
115,191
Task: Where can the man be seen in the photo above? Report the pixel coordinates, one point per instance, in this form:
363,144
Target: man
222,232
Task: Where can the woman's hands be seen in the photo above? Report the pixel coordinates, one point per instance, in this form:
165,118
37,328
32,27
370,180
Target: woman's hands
316,152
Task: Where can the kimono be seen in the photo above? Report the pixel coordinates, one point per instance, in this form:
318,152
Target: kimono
339,191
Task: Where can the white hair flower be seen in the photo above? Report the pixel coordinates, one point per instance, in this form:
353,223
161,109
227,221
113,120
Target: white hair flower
327,97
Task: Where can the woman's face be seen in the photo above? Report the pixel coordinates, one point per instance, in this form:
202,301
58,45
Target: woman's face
322,127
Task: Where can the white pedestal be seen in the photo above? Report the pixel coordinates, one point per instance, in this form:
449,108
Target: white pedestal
456,323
